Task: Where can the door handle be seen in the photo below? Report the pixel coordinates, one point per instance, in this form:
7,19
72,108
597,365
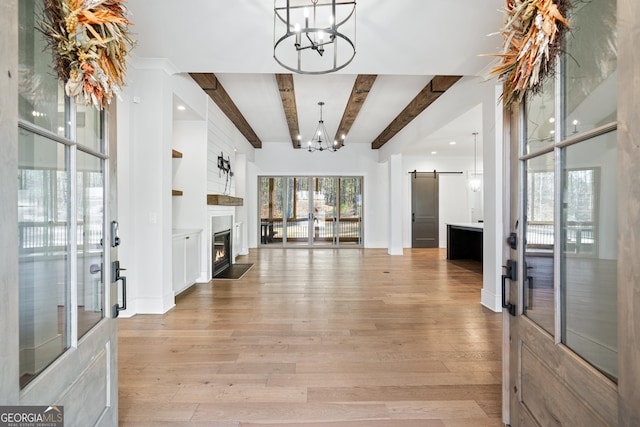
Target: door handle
512,275
115,273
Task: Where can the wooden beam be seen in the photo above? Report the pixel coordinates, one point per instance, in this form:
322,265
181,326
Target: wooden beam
427,96
223,200
212,87
359,93
288,96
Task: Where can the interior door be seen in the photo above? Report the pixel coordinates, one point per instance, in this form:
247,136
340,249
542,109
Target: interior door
424,210
560,290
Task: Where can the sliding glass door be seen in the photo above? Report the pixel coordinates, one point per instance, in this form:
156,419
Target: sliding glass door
310,211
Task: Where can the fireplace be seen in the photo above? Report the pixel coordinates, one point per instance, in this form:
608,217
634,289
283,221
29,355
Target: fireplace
221,244
221,251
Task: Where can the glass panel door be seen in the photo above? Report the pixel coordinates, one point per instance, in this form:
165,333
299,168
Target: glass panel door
350,213
325,198
272,209
299,207
310,211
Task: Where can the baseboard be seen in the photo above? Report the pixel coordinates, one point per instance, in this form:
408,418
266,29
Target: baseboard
154,305
490,300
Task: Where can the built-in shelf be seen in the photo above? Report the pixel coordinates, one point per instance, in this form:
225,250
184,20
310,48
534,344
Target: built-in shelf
176,192
176,154
222,200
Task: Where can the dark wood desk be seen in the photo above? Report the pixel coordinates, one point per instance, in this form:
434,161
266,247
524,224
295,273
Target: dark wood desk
464,241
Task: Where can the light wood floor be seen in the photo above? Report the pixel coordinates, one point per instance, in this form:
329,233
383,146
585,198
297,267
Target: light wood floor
322,337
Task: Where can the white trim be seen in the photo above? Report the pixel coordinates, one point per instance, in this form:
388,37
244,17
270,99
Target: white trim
154,64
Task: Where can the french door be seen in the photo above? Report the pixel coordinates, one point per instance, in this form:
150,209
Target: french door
561,303
310,211
65,352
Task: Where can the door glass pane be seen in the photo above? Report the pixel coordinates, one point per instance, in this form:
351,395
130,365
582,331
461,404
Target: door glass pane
591,90
541,118
589,252
539,242
43,212
350,216
41,95
272,196
298,210
90,184
89,127
325,199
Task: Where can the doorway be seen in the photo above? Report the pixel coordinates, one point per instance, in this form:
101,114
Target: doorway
310,211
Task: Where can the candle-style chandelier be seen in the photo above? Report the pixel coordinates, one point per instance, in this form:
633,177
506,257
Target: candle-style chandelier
321,140
314,36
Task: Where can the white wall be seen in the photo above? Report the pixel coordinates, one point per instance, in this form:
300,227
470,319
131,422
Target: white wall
224,139
189,176
278,159
145,175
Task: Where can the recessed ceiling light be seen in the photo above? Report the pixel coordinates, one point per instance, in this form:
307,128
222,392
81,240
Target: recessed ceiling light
434,152
452,143
181,107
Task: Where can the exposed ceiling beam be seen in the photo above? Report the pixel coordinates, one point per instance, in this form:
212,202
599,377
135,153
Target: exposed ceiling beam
359,93
427,96
288,96
212,87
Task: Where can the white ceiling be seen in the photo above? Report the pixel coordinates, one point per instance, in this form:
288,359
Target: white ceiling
405,42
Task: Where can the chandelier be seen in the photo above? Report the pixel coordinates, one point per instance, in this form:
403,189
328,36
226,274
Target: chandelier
320,140
313,36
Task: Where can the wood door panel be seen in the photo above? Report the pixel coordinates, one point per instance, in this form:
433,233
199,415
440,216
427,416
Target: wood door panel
581,378
549,401
525,420
93,389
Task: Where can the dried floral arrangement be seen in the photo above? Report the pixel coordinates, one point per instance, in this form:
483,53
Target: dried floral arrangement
90,40
532,38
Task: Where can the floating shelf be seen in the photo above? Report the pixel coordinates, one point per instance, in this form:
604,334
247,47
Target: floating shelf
222,200
176,154
176,192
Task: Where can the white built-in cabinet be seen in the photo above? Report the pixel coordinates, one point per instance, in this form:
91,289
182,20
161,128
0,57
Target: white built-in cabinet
185,258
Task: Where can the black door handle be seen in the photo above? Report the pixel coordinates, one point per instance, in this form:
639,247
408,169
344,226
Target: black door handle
512,274
115,274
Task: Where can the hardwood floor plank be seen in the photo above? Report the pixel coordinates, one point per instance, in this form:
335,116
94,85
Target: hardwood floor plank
279,413
482,392
379,379
319,338
367,423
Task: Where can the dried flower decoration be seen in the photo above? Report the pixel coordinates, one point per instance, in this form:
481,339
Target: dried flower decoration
532,36
90,40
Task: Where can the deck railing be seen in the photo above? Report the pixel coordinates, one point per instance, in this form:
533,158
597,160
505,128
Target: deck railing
35,237
345,229
580,237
